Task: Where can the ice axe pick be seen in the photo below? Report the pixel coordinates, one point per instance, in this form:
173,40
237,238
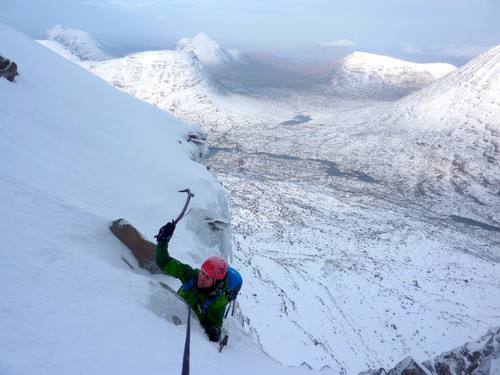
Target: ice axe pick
183,212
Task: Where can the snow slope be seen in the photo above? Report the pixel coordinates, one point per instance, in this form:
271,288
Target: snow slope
75,154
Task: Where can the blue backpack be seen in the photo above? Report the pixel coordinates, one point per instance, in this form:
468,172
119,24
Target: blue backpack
234,282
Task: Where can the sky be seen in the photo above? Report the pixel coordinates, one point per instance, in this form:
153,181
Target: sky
424,29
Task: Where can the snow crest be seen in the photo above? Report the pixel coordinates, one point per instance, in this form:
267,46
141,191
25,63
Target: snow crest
76,42
211,53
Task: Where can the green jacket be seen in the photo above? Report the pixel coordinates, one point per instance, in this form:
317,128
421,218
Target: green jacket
209,305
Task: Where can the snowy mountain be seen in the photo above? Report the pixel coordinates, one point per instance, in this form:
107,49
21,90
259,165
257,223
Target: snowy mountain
183,82
162,78
75,44
367,76
211,53
448,134
75,156
345,267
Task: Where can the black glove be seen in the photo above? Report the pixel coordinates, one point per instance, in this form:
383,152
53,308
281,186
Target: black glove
165,233
213,333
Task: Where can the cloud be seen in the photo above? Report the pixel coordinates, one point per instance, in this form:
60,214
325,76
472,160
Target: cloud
192,5
338,43
412,50
450,50
124,4
457,50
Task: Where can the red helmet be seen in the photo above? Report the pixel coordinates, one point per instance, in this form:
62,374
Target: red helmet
215,267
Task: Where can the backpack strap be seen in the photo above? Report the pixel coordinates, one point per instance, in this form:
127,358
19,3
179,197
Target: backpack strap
233,302
189,284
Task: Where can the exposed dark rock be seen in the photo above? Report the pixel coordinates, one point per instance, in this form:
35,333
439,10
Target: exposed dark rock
481,357
8,69
141,248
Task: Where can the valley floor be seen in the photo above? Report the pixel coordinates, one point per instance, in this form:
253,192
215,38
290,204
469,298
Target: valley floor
353,272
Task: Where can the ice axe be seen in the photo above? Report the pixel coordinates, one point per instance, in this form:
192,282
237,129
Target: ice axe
223,343
183,212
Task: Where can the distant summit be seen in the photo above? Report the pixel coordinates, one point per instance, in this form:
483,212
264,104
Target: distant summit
471,91
162,78
210,53
368,76
388,67
75,44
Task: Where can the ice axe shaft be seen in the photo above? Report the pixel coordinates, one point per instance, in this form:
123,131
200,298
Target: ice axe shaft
183,212
223,343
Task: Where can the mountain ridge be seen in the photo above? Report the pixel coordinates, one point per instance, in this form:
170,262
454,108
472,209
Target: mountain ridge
358,76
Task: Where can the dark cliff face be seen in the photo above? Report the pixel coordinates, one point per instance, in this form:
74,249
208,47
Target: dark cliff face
481,357
407,366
